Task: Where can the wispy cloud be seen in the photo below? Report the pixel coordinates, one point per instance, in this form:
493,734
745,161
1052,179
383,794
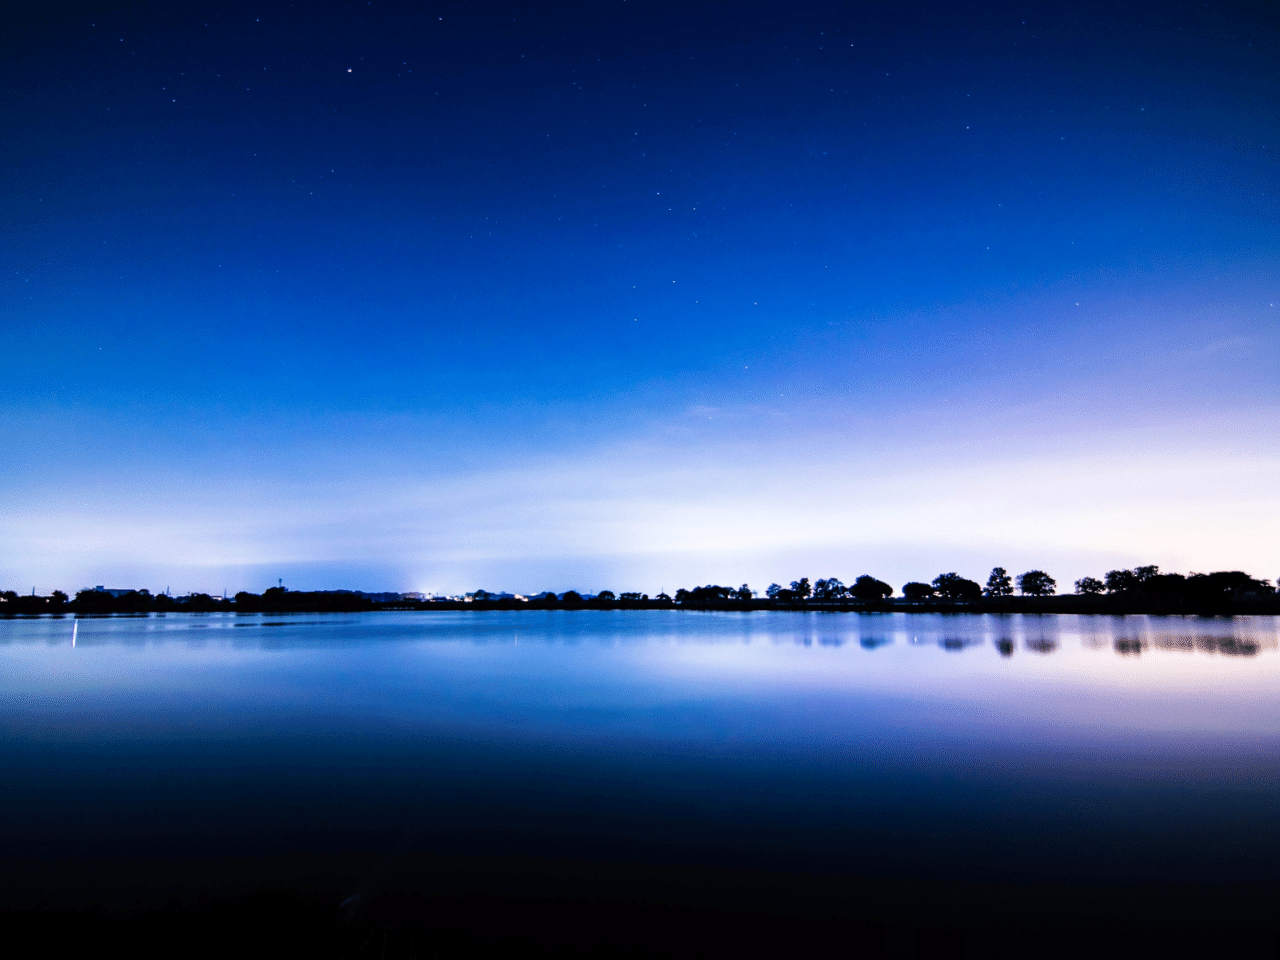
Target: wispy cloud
709,506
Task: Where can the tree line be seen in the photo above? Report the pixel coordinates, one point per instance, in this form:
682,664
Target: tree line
91,601
1144,582
1125,588
1149,583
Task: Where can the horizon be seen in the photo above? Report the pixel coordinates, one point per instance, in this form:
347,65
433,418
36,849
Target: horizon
1013,584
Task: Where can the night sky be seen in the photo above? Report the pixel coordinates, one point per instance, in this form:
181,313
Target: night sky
636,295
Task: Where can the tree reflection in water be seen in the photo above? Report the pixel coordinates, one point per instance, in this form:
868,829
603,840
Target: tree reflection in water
1041,644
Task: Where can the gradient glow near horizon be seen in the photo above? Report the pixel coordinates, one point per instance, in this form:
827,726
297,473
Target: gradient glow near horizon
620,295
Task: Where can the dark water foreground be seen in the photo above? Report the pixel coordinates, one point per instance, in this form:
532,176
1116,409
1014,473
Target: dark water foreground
639,783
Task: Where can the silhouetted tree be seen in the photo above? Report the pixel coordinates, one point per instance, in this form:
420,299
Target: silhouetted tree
1224,585
57,598
134,601
801,588
1128,581
1170,585
830,589
94,601
999,584
772,592
571,597
785,594
868,589
744,593
916,592
952,586
1091,585
1120,581
711,593
607,596
197,602
1036,583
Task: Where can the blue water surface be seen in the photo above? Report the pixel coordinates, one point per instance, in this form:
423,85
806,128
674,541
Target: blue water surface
1056,763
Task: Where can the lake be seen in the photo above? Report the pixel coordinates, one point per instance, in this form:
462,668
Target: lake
646,780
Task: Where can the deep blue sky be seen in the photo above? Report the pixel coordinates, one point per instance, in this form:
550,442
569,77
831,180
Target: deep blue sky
632,269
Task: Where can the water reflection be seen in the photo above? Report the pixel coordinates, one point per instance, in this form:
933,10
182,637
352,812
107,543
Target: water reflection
1041,644
1229,646
972,635
705,745
1248,643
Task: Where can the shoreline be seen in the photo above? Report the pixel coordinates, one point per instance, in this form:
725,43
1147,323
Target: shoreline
1066,604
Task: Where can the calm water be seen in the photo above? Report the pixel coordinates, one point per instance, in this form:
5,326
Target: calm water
1055,764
